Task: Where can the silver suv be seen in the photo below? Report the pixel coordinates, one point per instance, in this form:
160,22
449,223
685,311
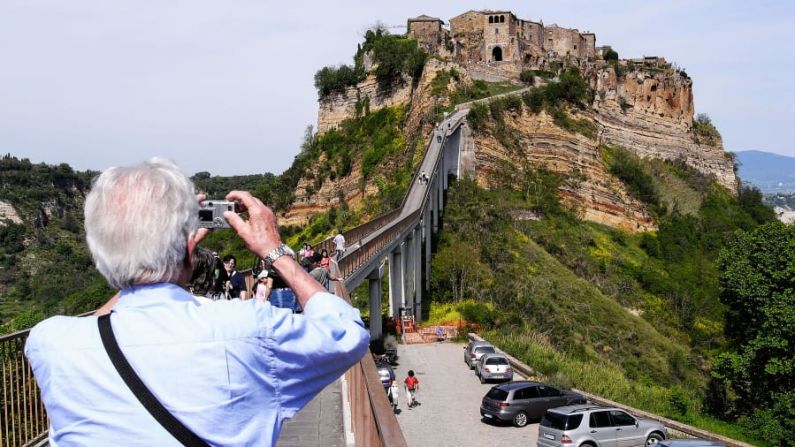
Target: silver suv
596,426
474,350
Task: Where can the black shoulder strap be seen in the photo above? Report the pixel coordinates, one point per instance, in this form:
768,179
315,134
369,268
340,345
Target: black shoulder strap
149,401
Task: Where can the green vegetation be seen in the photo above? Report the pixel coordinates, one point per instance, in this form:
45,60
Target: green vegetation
547,288
333,79
571,90
394,56
754,381
528,76
704,132
611,55
45,267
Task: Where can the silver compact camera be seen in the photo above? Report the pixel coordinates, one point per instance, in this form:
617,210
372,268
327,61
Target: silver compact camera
211,213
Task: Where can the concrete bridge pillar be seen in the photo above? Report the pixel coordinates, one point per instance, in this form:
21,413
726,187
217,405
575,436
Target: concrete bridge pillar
408,276
374,279
416,251
428,229
396,281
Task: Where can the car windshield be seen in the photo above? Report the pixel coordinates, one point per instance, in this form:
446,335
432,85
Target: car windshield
561,421
497,361
497,394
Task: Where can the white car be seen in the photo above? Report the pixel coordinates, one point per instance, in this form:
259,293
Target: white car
494,367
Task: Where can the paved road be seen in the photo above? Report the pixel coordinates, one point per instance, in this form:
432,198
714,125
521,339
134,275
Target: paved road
450,395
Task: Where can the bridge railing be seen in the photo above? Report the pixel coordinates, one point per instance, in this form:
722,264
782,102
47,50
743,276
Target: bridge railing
373,421
23,420
356,234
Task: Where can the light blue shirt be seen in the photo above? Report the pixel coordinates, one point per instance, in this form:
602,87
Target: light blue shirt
231,371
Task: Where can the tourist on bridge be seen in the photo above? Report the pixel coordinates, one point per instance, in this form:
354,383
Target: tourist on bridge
236,285
157,366
325,260
339,242
263,286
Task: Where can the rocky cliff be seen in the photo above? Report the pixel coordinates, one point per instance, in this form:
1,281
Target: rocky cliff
650,111
592,191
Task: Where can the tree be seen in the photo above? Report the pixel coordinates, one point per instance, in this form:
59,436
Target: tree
756,378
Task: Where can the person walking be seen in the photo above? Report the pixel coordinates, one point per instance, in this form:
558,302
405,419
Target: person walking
339,243
412,386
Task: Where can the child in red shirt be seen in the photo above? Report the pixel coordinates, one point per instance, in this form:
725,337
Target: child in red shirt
412,385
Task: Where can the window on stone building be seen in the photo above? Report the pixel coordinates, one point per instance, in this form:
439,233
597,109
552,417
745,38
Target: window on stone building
491,19
496,31
496,54
575,47
502,19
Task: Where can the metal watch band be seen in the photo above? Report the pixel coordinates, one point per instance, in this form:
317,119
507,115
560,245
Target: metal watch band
276,253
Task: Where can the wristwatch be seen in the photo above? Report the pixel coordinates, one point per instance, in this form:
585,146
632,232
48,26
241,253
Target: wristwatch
276,253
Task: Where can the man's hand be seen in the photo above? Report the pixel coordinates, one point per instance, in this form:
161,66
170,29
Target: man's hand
261,235
259,232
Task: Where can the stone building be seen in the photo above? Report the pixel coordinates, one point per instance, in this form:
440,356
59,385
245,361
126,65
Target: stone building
428,33
496,37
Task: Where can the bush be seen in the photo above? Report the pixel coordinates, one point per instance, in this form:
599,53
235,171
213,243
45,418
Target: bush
704,132
627,167
332,79
611,55
477,116
528,76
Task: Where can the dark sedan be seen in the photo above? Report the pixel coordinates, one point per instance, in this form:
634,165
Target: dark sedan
518,402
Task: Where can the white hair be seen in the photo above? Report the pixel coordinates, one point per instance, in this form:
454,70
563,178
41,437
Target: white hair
138,221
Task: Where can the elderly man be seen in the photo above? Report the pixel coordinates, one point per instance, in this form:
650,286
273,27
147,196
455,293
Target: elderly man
228,372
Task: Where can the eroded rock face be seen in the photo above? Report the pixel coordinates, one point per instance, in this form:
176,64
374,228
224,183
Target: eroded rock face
652,115
594,193
313,197
7,212
338,107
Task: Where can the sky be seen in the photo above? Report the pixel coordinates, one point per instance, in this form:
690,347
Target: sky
227,86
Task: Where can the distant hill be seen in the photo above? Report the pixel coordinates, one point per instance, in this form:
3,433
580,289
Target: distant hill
769,172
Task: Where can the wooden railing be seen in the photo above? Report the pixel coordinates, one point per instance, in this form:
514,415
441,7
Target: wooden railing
355,235
23,420
373,421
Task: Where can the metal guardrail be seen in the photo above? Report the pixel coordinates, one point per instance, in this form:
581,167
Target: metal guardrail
23,420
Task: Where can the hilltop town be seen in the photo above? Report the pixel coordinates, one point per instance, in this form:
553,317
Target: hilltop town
643,104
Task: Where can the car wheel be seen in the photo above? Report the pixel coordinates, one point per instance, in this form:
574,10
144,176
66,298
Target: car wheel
653,439
482,380
520,420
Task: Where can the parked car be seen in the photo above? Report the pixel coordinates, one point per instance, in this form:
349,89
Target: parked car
474,350
595,425
518,402
494,366
689,443
386,374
